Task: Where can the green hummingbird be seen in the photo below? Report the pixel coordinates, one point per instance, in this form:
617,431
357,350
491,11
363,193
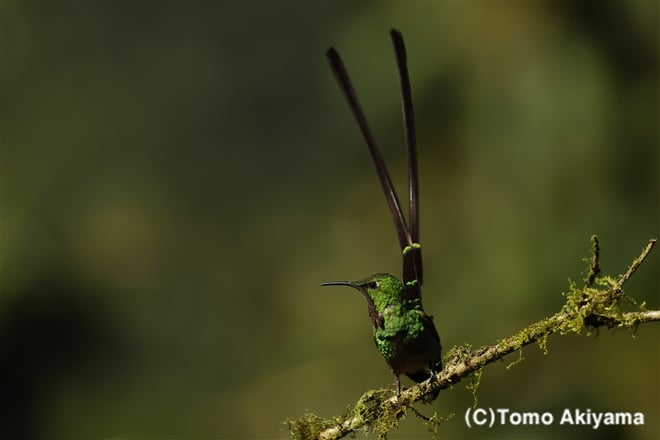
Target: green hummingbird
404,334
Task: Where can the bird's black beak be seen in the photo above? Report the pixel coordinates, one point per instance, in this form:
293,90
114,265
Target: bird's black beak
338,283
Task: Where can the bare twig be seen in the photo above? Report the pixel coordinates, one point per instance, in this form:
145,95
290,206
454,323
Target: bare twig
636,263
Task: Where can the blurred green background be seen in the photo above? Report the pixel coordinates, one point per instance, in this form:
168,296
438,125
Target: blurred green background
177,178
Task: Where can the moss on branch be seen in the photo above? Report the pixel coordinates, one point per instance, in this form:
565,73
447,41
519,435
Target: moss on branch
600,302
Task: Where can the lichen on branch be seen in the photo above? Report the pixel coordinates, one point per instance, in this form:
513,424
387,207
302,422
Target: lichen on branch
600,302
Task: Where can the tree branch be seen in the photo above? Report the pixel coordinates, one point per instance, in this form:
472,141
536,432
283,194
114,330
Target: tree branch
586,308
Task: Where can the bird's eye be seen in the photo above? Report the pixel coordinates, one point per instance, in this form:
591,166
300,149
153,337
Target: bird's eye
373,285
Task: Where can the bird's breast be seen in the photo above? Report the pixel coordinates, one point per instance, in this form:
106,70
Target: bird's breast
405,341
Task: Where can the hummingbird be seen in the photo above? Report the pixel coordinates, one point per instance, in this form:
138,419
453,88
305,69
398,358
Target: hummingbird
404,333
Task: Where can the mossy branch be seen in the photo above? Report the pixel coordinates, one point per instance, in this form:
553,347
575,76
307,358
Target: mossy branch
586,308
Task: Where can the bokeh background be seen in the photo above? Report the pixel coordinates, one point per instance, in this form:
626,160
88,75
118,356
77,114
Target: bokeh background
177,178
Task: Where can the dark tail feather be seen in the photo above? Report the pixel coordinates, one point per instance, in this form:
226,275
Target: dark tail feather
422,375
419,376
